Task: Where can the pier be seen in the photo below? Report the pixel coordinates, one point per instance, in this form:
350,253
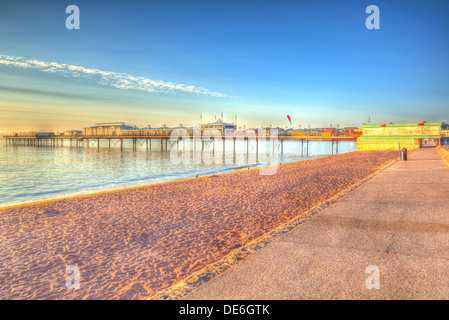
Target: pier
165,143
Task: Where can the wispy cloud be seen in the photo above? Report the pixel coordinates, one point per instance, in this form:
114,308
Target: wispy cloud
107,78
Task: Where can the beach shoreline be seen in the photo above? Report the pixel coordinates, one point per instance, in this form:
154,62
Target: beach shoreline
132,243
113,190
38,174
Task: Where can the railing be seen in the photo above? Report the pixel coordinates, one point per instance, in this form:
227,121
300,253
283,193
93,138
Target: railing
20,134
159,134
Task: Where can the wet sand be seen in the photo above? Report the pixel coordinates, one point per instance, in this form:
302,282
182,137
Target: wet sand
132,243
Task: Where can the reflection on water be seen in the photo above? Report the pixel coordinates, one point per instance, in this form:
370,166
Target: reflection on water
40,173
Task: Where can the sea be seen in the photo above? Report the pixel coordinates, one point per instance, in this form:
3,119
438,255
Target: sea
31,173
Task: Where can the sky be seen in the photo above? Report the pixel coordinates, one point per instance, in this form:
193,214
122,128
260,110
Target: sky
168,62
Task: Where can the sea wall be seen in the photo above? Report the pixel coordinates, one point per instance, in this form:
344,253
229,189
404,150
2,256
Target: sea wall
365,144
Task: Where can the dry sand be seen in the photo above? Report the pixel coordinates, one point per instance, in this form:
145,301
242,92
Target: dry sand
132,243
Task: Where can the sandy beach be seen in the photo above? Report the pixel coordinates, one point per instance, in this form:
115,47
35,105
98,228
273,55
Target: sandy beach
132,243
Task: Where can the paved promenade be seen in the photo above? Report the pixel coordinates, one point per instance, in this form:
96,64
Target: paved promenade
397,221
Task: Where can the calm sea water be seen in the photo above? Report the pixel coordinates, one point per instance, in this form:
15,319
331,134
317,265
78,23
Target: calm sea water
30,173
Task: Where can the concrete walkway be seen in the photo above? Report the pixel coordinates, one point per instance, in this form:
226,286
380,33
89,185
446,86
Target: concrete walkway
397,221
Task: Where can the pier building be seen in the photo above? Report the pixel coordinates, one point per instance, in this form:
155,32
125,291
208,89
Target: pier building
391,135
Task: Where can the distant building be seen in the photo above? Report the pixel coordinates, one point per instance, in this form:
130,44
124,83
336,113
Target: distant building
353,131
266,131
106,129
329,131
74,132
251,132
181,127
219,125
120,129
147,131
161,131
393,135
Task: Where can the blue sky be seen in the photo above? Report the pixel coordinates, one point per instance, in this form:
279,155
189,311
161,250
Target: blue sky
314,60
